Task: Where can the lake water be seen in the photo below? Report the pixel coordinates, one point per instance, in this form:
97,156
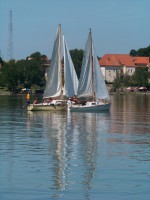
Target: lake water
72,156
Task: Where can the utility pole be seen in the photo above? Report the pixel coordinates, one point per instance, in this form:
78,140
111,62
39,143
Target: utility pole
10,37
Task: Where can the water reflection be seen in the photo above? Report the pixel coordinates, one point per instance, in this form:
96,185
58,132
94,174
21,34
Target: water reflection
72,147
130,114
47,155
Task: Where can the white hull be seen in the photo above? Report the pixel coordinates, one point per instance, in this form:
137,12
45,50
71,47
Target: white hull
47,107
90,108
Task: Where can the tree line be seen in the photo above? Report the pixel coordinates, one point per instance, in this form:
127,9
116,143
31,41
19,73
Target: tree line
140,78
145,52
30,72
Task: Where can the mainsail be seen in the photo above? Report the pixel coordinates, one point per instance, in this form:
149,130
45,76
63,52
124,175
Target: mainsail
91,77
54,85
85,81
54,74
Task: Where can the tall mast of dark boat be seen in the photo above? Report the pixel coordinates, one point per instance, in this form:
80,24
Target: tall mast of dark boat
92,65
60,58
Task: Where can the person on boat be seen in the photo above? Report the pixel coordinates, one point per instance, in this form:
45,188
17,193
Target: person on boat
53,102
28,98
74,99
50,100
97,102
44,100
69,102
35,101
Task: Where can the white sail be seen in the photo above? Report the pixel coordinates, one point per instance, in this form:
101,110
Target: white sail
70,76
54,82
85,80
88,81
100,88
54,85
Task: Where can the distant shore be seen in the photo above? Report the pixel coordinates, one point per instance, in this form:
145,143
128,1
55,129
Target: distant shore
2,93
8,93
129,93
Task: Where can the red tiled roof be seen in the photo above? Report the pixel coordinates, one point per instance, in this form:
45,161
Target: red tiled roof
116,60
141,60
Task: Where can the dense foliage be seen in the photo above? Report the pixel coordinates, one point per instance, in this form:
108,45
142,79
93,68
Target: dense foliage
139,78
30,72
77,56
141,52
23,73
1,61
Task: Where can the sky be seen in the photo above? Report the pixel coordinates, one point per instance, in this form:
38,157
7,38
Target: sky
117,25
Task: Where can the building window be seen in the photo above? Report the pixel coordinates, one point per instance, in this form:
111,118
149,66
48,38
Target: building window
109,73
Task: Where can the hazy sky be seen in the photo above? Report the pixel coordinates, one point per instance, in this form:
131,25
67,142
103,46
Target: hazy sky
117,25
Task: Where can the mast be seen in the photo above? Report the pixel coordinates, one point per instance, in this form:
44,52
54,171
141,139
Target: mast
92,65
60,58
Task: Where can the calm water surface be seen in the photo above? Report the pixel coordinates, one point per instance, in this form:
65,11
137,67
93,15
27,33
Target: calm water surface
69,156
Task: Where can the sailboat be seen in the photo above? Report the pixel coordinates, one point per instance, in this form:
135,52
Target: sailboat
58,90
91,86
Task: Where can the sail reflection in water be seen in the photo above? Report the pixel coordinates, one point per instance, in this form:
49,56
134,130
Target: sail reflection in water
46,155
72,147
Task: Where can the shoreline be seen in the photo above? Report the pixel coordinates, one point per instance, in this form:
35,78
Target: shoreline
7,93
130,93
4,93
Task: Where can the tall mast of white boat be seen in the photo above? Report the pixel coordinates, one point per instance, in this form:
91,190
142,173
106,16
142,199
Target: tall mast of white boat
60,58
92,65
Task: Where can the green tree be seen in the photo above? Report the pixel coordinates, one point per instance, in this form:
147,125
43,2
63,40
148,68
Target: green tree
116,83
77,57
140,77
1,61
9,75
141,52
42,59
125,79
36,56
1,79
30,73
133,52
23,73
